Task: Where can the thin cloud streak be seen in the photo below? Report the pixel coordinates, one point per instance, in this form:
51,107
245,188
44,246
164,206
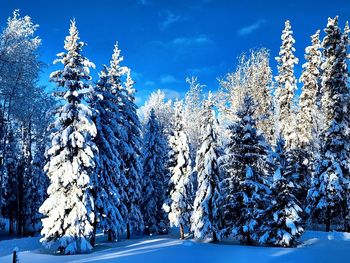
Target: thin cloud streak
183,42
247,30
170,19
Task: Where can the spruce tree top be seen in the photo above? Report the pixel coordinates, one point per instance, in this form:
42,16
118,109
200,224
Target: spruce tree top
287,59
335,72
76,66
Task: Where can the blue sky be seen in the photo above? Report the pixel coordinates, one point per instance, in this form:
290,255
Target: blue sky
165,41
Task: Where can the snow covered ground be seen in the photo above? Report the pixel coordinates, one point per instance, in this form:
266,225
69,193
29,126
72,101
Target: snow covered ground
316,247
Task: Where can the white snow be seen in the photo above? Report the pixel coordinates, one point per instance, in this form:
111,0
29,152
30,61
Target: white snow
316,247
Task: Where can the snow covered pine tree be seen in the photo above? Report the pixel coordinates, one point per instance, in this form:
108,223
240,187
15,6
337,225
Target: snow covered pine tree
107,196
204,220
68,210
286,113
328,192
155,177
309,113
129,144
244,186
179,206
132,157
282,221
286,85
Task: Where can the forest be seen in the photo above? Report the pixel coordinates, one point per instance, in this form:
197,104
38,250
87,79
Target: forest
261,159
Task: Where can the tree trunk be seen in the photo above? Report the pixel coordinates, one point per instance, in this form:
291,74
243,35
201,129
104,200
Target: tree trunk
128,231
110,236
182,232
19,196
215,238
93,238
11,229
249,240
328,219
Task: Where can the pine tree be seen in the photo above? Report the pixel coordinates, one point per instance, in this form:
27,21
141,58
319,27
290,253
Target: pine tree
204,220
330,184
132,157
308,112
286,86
282,218
129,143
68,210
245,174
155,177
108,202
308,118
179,203
116,75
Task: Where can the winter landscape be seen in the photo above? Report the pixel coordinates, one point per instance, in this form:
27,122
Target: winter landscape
169,139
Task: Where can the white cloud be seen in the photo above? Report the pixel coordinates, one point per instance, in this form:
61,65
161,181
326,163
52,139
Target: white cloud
169,19
168,79
181,42
188,41
244,31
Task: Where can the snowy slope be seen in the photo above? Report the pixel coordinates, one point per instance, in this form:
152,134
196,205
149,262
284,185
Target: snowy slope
317,247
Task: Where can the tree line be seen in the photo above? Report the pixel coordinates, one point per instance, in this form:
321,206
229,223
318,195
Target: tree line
250,161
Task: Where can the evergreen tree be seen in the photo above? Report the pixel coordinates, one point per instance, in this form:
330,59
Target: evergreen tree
286,86
282,220
132,157
179,203
155,177
308,119
116,76
68,210
129,183
308,112
108,202
204,220
245,170
327,196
